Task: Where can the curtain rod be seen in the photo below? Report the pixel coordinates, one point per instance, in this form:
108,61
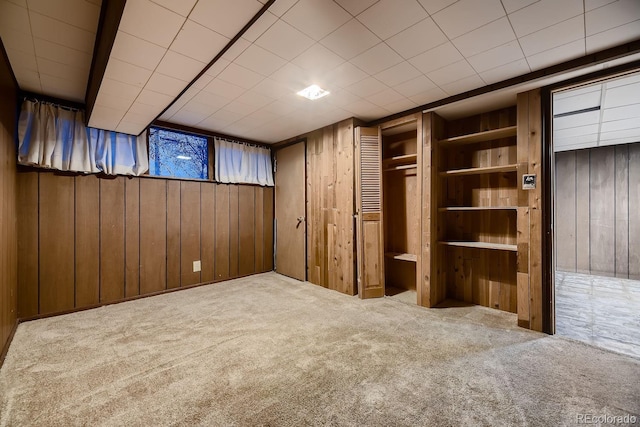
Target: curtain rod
241,142
64,107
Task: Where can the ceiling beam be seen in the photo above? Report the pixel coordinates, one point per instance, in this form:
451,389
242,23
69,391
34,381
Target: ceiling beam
110,15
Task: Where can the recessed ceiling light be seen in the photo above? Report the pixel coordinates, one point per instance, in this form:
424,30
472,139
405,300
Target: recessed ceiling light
313,92
183,157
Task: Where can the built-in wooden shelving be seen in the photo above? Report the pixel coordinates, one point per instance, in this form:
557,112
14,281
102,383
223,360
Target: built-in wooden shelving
481,245
401,256
477,208
480,171
398,163
488,135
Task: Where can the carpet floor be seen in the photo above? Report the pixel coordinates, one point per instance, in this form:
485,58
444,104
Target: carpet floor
268,350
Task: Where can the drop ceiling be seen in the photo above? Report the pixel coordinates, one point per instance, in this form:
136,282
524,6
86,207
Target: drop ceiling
376,57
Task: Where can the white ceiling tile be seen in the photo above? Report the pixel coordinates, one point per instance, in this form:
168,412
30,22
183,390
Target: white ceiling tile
188,118
127,73
217,67
575,143
635,137
342,97
486,37
463,85
128,128
260,60
293,77
507,71
226,17
14,17
621,125
155,99
594,4
627,134
22,61
366,87
496,57
576,103
79,13
136,51
553,36
63,71
389,17
571,93
351,39
59,53
284,40
387,96
102,122
235,50
622,95
415,86
280,107
224,89
280,7
612,15
271,88
165,84
58,32
315,18
376,59
151,22
318,60
401,105
366,110
576,120
397,74
106,114
181,67
212,102
240,76
433,6
240,108
621,113
109,86
258,28
467,15
198,42
576,131
113,101
71,89
203,110
438,57
17,41
512,5
613,37
255,98
451,73
28,80
355,7
181,7
220,119
345,75
556,55
544,14
419,38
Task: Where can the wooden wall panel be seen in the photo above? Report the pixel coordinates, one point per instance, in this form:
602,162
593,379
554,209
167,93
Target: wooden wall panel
189,232
268,216
222,232
56,255
207,231
132,237
259,229
153,235
594,191
634,208
246,230
87,259
233,230
28,264
173,209
112,245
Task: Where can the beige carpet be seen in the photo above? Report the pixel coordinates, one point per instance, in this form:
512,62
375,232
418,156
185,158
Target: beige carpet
268,350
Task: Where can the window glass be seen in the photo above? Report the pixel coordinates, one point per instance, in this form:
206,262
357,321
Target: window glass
178,154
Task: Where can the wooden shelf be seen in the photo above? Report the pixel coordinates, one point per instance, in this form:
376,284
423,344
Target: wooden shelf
400,167
481,245
401,257
400,160
488,135
478,208
479,171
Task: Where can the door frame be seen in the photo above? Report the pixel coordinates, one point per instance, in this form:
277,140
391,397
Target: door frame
277,148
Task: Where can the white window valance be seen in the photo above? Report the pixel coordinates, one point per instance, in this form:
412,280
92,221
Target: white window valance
239,163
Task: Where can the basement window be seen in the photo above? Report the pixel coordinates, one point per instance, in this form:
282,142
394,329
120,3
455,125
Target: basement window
178,154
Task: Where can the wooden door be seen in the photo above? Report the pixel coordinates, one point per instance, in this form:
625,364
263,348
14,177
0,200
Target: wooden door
369,225
290,211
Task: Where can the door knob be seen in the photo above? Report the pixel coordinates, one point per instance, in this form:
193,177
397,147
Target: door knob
300,220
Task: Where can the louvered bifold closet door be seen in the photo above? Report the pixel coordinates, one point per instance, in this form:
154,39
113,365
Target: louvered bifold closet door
369,230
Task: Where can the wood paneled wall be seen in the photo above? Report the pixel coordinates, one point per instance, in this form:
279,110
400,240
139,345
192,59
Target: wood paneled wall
8,237
330,208
597,211
530,223
89,240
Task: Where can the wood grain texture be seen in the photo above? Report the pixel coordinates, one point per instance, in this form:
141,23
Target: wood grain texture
189,232
583,253
268,219
634,206
28,230
259,229
246,230
56,261
112,245
87,243
565,213
234,232
621,186
207,230
222,254
602,211
153,235
132,237
173,209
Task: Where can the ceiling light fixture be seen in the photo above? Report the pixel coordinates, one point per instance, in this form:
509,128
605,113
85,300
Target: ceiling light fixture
313,92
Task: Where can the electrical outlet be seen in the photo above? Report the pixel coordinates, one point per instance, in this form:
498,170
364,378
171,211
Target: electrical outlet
197,266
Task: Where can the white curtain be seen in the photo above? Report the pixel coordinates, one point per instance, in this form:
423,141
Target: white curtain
238,163
55,137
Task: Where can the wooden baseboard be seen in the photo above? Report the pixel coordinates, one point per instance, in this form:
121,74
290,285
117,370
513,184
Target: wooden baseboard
5,349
